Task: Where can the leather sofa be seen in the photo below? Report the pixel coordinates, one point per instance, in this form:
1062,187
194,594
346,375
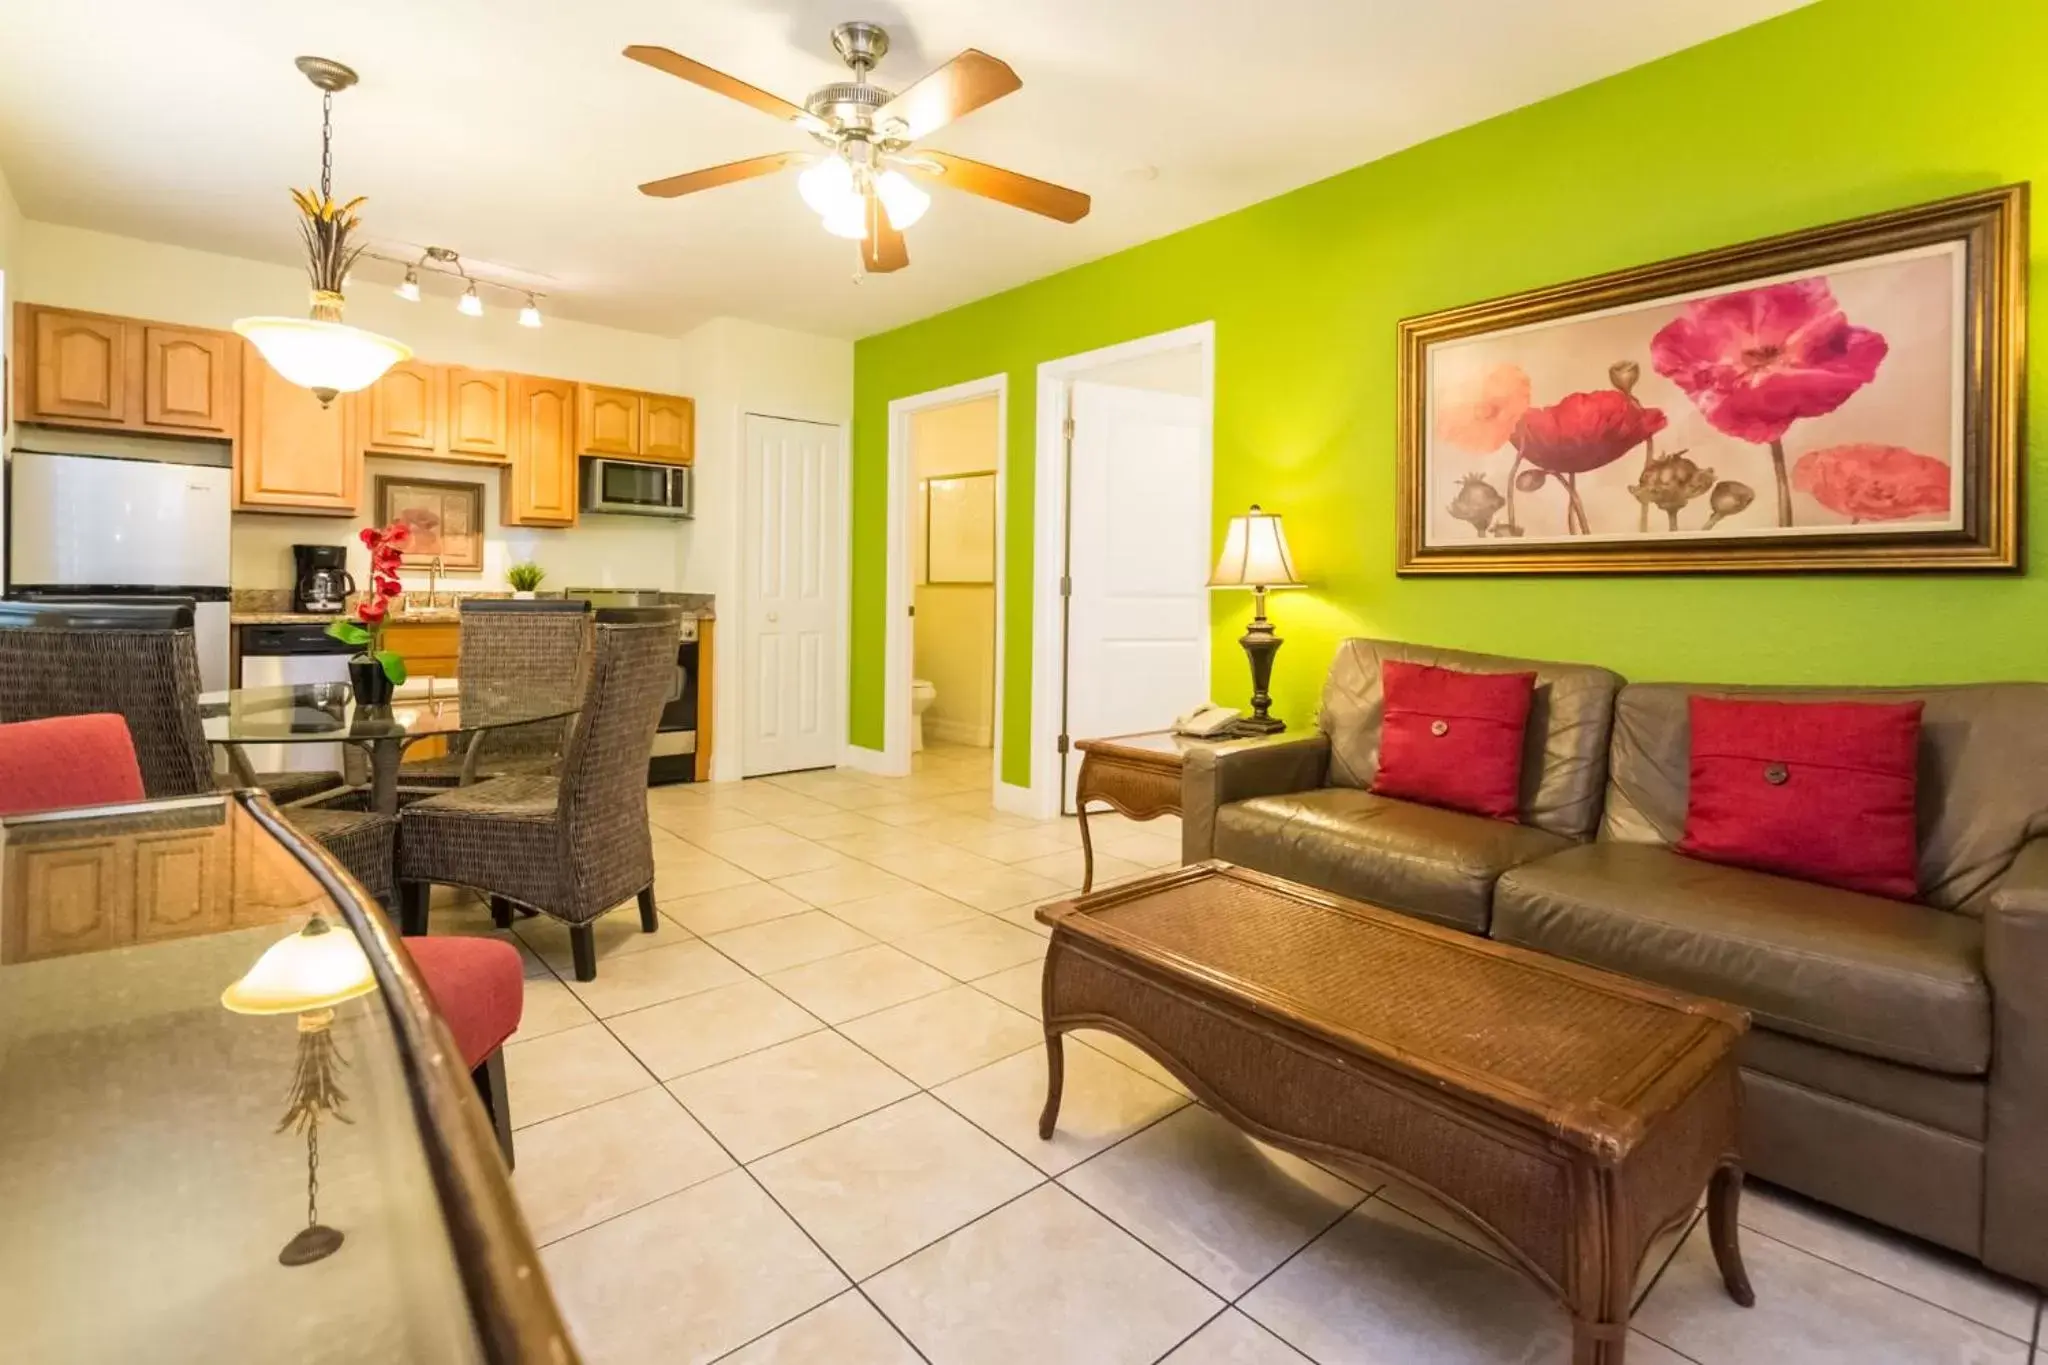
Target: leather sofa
1898,1066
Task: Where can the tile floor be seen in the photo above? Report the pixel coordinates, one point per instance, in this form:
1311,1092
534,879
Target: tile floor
796,1126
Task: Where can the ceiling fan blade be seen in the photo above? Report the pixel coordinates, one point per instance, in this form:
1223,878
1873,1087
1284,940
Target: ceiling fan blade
955,90
882,250
711,177
993,182
732,87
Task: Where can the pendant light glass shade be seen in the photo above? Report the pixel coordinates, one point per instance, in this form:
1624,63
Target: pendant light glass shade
848,220
317,968
327,357
903,201
828,188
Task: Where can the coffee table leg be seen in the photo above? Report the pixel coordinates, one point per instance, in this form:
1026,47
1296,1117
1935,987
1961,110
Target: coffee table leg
1055,1080
1087,847
1723,1198
1598,1343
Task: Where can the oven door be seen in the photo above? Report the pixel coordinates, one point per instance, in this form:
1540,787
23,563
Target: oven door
675,741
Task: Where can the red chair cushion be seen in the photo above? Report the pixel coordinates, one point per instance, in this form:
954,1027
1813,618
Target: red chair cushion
1454,739
67,761
1822,791
477,985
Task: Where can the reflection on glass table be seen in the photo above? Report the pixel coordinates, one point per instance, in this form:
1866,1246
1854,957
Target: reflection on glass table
146,1184
326,713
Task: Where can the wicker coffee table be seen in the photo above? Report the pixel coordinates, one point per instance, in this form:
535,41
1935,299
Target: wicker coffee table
1571,1114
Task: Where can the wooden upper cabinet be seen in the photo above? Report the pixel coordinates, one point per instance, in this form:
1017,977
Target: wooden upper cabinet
479,404
81,368
403,410
189,380
539,486
294,455
608,421
668,429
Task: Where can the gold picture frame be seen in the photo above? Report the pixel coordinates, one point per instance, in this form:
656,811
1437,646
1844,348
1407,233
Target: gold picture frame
1967,518
447,520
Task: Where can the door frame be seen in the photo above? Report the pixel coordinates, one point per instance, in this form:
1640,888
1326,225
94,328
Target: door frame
727,656
899,670
1048,624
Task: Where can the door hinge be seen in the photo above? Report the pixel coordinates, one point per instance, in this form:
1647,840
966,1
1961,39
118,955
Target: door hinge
1067,427
911,610
1066,586
1063,743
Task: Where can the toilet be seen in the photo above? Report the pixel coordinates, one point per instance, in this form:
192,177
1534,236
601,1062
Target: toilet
922,695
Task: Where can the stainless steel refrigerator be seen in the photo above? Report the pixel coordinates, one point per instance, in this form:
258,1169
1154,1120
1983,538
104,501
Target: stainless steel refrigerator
101,527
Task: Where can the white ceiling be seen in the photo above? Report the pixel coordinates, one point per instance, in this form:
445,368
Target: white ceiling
514,131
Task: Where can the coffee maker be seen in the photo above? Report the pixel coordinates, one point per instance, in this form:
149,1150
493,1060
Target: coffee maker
321,581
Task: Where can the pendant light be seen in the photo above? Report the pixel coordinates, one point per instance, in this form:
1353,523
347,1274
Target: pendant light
322,353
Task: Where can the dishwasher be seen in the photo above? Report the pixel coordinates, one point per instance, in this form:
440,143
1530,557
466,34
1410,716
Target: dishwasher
284,656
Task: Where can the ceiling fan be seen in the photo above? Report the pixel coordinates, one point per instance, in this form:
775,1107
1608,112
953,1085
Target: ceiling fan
863,185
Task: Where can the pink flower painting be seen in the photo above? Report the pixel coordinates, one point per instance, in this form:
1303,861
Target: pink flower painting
1874,482
1478,419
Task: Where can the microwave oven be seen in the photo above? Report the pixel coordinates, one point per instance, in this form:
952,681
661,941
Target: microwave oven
638,488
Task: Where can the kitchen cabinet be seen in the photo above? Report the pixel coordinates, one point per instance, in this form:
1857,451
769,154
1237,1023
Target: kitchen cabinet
608,420
95,370
402,411
668,428
77,895
539,485
479,411
294,455
428,647
426,411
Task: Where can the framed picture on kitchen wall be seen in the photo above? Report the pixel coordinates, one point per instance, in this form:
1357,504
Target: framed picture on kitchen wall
1848,397
447,520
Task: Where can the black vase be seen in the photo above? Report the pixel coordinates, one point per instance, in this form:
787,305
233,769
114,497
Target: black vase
372,685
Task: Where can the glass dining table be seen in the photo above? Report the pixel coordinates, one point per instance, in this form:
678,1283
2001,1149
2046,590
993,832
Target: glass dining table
421,708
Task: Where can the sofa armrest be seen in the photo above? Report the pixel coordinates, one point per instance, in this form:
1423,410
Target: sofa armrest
2016,964
1213,776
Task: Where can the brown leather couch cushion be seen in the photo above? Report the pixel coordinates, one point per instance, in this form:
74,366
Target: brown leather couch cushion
1564,752
1438,864
1954,1104
1881,977
1983,773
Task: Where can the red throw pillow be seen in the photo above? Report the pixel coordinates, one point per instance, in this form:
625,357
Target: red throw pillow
1454,739
1817,790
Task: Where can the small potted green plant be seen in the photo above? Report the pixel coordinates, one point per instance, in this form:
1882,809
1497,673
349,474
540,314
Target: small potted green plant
524,578
373,671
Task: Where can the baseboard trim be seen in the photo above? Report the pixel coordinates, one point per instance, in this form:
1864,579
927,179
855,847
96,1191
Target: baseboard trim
1015,800
956,732
866,760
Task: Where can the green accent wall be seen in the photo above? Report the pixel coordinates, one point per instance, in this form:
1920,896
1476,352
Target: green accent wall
1840,109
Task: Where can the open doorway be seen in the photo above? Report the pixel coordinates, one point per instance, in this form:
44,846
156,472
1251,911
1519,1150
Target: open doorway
955,451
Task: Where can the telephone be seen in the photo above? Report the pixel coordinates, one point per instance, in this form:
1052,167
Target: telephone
1206,721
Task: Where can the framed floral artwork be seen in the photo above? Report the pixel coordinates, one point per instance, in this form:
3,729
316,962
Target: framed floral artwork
1848,397
446,519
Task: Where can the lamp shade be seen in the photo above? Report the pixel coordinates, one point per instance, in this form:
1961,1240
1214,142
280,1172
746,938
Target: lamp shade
316,968
1255,554
327,357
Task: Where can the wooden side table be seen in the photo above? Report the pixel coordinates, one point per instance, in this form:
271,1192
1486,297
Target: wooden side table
1135,775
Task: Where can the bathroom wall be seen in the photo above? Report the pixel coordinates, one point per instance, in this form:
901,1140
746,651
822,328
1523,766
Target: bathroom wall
955,631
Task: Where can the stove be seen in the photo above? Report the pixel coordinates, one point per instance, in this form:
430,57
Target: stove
675,739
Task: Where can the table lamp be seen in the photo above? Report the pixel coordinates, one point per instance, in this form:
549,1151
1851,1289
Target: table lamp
308,974
1255,556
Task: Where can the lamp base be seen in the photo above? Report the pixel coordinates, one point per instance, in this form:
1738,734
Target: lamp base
1260,645
1251,726
315,1242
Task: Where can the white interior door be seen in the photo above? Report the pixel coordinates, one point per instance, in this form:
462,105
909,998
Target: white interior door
792,520
1138,547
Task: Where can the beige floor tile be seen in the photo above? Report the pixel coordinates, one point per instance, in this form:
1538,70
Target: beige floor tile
874,1190
1807,1309
1222,1207
697,820
715,1026
945,1035
734,907
1381,1286
851,881
845,1331
771,802
1065,868
790,942
1918,1269
597,1163
1101,1103
769,1099
1427,1208
1231,1338
1129,1053
974,947
845,987
1012,886
1021,987
637,980
883,841
769,852
617,932
690,879
569,1070
687,1278
837,825
1025,917
1041,1281
1021,845
959,828
900,914
549,1007
937,866
913,812
1141,847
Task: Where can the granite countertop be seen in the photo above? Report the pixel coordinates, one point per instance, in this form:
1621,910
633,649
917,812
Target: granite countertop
279,618
271,607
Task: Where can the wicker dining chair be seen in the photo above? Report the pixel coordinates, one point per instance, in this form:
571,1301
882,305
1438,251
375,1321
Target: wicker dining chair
140,663
572,846
543,644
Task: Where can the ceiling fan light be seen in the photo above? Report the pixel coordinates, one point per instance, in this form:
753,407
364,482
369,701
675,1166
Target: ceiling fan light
409,288
848,219
469,305
903,201
827,186
327,357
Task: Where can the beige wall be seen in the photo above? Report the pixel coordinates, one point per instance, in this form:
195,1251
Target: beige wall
955,634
